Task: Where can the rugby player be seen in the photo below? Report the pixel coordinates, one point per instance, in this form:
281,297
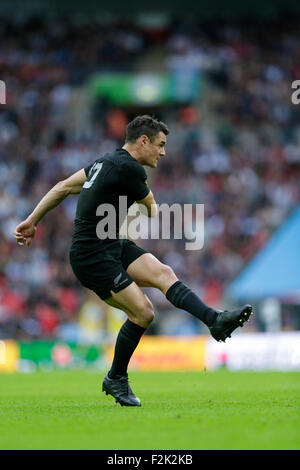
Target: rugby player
116,268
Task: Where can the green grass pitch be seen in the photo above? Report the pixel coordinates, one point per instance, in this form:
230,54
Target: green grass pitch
180,410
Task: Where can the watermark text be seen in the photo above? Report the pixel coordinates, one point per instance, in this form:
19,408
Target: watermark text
178,221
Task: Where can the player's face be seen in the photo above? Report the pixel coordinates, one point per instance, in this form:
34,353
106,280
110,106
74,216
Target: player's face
153,151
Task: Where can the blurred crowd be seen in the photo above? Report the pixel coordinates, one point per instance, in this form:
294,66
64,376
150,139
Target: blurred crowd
235,149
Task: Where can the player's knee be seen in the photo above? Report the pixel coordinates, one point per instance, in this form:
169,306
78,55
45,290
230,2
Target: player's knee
166,272
146,314
148,302
149,316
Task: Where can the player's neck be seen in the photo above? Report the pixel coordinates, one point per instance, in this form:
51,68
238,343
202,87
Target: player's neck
132,151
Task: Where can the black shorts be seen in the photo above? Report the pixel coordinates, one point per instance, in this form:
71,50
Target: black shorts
102,267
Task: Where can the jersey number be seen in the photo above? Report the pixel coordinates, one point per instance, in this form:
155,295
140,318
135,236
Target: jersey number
96,168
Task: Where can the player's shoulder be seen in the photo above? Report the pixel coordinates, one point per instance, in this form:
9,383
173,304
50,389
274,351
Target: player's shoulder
110,158
123,162
128,164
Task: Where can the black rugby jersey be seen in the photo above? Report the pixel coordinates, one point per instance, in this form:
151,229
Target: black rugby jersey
112,175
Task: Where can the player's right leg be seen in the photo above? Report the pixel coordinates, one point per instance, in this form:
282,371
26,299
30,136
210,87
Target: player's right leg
102,272
140,313
135,304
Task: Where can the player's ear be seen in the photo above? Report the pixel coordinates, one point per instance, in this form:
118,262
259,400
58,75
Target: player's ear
144,139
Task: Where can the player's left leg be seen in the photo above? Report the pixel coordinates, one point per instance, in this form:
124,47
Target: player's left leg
148,271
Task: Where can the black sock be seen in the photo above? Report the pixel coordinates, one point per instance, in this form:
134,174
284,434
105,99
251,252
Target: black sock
182,297
127,340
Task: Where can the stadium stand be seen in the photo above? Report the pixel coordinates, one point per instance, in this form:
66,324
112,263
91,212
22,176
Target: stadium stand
235,148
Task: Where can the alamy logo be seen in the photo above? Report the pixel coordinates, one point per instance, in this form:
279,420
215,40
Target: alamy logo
2,92
296,95
176,221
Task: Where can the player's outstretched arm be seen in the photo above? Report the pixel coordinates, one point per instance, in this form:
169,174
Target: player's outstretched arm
150,204
25,231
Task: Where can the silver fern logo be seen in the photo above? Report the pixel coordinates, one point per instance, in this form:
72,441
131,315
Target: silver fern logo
116,280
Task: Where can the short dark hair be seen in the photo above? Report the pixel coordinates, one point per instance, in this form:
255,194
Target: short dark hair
145,125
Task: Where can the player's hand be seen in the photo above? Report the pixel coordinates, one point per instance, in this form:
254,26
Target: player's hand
25,232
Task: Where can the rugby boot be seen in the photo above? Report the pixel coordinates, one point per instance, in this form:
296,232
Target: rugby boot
120,390
226,322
